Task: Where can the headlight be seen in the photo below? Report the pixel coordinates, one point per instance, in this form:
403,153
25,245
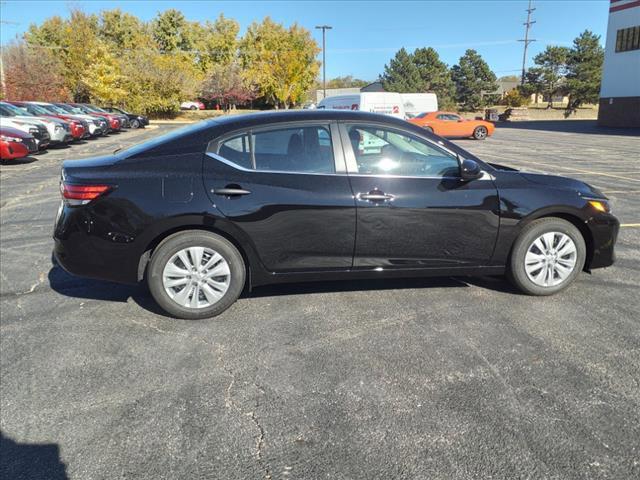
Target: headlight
600,205
4,138
58,128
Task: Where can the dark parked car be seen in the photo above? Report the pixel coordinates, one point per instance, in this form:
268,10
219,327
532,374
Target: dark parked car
135,120
208,210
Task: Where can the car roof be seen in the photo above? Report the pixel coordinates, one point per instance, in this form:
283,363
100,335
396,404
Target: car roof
232,121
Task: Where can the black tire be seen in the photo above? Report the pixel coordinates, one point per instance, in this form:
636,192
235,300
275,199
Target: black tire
516,269
135,123
193,107
429,129
480,133
195,238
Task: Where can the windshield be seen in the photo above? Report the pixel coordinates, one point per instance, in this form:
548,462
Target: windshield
55,109
12,111
91,108
38,109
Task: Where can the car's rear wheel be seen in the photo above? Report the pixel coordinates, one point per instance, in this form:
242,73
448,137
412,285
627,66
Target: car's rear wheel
547,256
193,107
480,133
196,274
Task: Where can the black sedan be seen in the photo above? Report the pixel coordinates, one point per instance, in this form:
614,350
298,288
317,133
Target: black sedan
204,212
135,120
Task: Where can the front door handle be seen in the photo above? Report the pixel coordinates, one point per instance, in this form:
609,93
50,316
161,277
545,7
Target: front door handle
229,192
375,196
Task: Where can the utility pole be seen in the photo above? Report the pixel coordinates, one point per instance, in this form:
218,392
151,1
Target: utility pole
526,41
324,28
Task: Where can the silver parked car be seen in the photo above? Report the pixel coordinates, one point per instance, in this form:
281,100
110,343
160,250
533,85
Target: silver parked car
59,130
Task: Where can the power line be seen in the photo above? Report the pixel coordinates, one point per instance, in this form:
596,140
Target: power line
526,40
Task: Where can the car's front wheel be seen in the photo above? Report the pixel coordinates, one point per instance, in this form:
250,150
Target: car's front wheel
480,133
547,256
135,123
196,274
193,107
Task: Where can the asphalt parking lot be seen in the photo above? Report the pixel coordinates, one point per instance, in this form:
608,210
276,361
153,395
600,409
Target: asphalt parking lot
420,379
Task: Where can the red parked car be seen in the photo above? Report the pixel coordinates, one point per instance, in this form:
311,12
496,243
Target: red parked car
78,128
114,122
15,143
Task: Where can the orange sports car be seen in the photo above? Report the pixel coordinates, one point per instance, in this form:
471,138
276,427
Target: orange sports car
449,124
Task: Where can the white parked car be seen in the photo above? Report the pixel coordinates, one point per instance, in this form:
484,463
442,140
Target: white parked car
36,129
192,106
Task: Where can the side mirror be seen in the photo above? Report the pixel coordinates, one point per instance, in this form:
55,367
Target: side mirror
470,170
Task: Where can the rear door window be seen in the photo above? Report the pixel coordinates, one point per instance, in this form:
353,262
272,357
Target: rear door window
303,149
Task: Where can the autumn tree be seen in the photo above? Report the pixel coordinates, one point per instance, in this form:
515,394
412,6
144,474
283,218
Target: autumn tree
33,73
282,62
103,79
75,41
473,80
228,86
584,70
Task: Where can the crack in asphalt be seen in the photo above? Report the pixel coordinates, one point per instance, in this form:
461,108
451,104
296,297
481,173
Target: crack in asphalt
229,401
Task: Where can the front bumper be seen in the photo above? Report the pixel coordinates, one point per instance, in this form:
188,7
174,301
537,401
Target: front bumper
604,230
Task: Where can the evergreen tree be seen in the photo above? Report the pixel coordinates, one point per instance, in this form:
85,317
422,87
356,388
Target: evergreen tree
401,75
551,64
584,70
434,75
473,80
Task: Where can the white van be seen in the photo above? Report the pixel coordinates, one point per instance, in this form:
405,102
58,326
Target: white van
387,103
416,103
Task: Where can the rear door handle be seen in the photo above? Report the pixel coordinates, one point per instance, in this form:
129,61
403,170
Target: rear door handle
229,192
375,196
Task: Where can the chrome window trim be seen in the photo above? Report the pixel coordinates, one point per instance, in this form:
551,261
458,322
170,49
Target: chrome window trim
215,156
219,158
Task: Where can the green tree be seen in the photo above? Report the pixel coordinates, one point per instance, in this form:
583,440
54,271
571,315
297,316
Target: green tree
216,42
281,62
474,81
122,31
584,70
157,83
434,76
401,74
346,82
172,31
533,83
552,63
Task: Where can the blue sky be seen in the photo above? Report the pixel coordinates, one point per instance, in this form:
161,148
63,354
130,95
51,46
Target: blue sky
366,34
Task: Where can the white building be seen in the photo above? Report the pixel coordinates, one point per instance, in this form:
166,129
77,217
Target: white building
620,90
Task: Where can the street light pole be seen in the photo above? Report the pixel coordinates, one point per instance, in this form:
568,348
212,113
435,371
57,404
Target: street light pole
324,28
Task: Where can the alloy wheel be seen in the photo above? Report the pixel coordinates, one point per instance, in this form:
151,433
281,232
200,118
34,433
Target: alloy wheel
480,133
196,277
550,259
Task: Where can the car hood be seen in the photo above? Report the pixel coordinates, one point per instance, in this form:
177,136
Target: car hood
565,183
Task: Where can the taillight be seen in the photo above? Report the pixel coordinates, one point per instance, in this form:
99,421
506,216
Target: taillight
82,194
